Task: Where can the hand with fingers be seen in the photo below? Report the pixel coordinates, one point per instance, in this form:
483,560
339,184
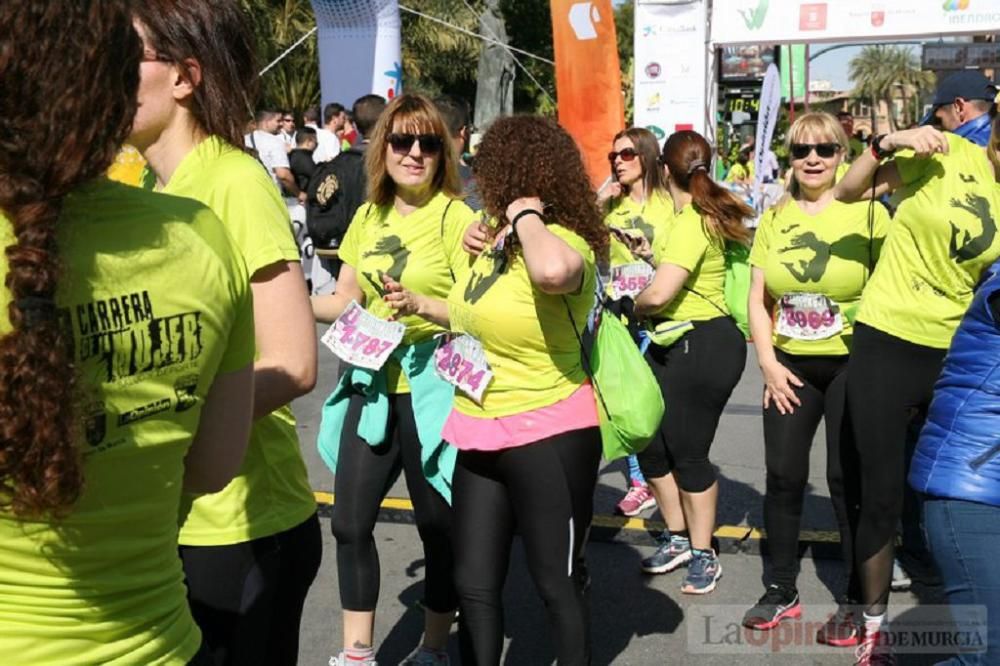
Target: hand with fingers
475,239
924,141
778,388
401,300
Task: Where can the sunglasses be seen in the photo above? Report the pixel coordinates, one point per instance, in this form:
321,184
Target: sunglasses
801,151
627,155
430,144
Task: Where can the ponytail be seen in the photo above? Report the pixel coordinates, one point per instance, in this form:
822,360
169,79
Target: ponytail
687,155
722,211
60,130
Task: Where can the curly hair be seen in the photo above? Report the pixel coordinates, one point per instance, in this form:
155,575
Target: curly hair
58,129
530,156
219,35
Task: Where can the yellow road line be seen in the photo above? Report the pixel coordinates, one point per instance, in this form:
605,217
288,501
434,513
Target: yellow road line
739,532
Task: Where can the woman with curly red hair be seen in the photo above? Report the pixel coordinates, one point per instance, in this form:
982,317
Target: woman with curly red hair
122,381
698,370
529,449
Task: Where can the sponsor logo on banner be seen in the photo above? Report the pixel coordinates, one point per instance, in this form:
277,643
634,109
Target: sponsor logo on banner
653,102
878,18
753,16
583,18
653,70
684,127
956,5
812,16
657,132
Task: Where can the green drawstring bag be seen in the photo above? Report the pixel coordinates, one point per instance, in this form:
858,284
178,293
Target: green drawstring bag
737,286
736,289
629,401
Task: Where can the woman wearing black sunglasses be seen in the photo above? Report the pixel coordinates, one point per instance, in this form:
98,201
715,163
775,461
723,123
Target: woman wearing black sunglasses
409,235
942,238
811,258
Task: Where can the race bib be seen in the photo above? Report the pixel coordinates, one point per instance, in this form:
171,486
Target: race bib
630,279
808,317
362,339
461,361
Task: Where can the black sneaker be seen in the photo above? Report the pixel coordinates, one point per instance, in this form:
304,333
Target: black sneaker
778,603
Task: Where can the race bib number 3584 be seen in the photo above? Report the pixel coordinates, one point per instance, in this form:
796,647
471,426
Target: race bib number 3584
461,361
362,339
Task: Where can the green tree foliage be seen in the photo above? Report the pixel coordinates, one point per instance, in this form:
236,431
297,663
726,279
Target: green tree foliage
294,82
437,59
881,73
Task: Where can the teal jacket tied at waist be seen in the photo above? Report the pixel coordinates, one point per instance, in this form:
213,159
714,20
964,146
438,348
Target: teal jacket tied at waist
432,400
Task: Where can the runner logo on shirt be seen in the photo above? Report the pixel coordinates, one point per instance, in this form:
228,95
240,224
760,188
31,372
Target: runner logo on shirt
813,270
963,246
480,283
393,248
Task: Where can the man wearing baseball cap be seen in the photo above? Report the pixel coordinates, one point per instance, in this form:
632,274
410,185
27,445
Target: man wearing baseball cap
964,103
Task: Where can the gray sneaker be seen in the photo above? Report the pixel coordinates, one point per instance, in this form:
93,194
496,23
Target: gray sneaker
671,553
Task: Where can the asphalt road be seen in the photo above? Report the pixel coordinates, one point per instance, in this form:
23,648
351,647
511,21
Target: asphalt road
636,619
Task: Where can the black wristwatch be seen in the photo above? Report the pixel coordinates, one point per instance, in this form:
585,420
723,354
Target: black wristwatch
877,151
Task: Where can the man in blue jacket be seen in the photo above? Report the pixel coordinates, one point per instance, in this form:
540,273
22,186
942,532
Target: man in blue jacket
965,103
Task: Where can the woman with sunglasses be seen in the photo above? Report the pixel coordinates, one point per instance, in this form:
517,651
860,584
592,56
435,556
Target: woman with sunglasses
943,236
639,208
811,257
122,382
530,448
700,367
410,234
251,551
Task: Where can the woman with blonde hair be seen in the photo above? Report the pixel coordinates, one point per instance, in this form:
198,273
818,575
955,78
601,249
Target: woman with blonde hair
698,370
811,258
409,236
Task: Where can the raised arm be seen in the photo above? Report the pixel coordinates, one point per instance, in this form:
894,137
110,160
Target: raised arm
553,266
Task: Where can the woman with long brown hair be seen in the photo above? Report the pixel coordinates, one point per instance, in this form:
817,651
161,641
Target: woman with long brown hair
529,444
409,234
252,550
122,382
699,369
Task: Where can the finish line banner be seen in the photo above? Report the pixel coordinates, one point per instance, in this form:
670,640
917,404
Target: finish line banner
800,21
359,49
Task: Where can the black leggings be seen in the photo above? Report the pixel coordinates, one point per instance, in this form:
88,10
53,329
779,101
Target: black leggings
787,441
545,492
247,598
364,476
697,374
890,383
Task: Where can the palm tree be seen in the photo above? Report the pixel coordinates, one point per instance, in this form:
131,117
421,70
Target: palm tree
436,58
878,69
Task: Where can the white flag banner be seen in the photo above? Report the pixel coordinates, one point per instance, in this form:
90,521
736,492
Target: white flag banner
359,49
670,53
767,121
812,21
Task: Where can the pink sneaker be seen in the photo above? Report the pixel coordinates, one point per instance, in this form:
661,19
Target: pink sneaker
636,500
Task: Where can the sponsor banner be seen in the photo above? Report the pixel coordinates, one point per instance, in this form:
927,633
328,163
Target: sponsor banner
359,49
767,121
793,71
670,52
756,21
588,79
